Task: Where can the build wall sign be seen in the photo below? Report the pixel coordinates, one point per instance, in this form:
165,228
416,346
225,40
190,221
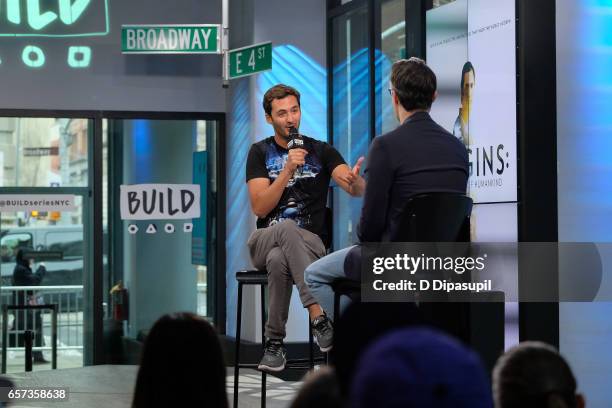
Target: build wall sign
39,20
160,202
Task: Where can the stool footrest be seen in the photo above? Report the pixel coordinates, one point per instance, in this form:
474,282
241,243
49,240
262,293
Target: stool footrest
303,363
252,277
248,365
294,365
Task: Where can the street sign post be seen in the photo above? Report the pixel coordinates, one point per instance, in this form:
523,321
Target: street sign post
250,60
171,39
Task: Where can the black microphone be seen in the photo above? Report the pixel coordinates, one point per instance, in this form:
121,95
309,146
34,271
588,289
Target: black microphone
295,142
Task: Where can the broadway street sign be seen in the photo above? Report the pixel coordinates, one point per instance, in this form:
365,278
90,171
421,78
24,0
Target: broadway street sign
171,39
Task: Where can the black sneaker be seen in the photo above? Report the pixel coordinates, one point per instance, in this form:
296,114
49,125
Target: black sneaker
274,357
323,332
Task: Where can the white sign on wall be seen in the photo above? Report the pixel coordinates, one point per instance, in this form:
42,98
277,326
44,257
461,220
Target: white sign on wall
160,201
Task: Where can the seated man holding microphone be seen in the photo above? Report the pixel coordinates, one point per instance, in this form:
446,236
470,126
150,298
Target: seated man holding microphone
419,156
288,177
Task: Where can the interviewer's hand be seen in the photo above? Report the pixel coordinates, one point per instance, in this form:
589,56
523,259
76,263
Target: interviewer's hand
296,157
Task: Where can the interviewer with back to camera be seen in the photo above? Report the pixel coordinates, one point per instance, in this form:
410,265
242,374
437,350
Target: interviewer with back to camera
419,156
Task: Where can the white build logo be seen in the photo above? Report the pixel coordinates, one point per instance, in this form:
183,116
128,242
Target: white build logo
160,202
40,20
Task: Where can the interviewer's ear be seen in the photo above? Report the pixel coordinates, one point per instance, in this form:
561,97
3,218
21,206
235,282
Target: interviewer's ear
396,98
435,96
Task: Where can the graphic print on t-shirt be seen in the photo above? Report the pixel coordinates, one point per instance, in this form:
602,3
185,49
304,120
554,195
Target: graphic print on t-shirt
305,195
295,196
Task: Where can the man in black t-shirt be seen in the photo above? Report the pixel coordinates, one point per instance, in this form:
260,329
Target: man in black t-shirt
288,192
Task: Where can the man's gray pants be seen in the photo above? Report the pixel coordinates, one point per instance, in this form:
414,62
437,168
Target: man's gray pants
284,250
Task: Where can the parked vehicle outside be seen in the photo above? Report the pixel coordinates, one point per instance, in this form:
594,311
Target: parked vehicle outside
59,247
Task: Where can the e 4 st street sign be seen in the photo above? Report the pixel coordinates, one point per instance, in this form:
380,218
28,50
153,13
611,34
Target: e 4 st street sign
196,39
249,60
171,39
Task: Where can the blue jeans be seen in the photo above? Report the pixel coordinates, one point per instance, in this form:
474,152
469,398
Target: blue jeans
319,276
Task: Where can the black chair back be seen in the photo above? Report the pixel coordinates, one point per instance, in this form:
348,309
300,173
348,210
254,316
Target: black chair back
435,217
445,217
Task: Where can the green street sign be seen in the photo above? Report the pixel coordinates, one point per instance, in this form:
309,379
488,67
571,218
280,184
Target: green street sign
250,60
171,39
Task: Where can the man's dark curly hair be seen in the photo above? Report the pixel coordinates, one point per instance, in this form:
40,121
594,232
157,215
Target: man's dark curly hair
414,83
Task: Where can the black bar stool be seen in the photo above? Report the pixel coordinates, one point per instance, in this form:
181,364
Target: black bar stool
257,277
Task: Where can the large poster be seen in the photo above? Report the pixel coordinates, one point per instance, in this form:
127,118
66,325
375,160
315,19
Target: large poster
471,48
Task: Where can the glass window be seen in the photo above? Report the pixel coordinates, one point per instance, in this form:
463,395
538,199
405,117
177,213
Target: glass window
62,284
44,152
68,241
164,272
38,155
392,48
351,111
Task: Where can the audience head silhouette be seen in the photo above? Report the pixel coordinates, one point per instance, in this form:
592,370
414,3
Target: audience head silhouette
420,367
534,374
182,365
320,390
